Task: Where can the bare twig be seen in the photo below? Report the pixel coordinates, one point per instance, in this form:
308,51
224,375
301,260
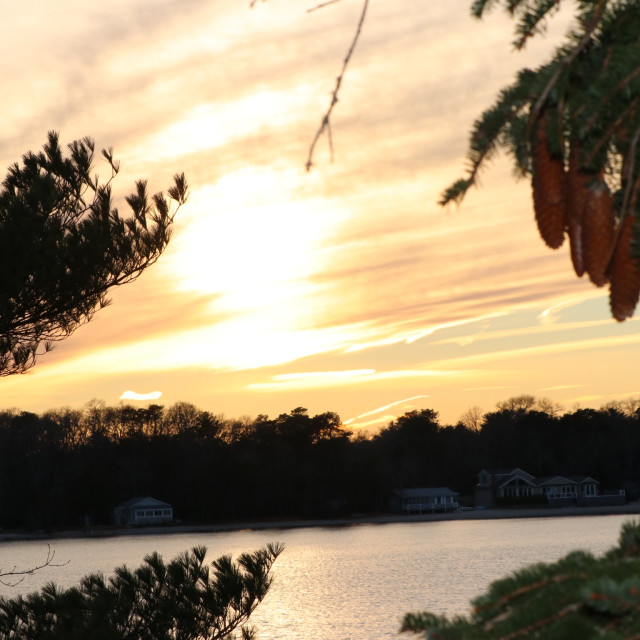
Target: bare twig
325,124
15,576
322,5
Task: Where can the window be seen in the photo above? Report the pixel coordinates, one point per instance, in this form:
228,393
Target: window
517,492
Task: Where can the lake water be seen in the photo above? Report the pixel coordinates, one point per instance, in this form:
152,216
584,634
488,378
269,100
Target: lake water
346,583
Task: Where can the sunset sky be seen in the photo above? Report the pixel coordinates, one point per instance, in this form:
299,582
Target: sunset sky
344,289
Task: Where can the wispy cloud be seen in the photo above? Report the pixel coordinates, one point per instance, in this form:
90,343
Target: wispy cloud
325,379
560,387
385,407
133,395
278,280
324,375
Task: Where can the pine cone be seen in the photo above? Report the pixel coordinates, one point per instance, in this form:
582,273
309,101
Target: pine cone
577,192
598,231
625,275
548,185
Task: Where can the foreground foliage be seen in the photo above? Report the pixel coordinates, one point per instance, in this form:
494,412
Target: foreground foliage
63,245
579,596
573,125
185,599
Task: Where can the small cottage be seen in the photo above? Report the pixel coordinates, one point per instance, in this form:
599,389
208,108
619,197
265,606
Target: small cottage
142,511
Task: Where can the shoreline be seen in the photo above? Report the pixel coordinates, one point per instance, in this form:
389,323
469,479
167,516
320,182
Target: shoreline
631,509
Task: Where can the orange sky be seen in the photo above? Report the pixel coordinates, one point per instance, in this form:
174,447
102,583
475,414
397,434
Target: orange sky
345,289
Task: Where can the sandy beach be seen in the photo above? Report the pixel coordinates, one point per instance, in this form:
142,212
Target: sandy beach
631,509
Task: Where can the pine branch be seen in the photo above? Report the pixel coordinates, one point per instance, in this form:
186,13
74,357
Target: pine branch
568,60
545,622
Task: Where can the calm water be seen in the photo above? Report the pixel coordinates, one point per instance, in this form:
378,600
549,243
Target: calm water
347,583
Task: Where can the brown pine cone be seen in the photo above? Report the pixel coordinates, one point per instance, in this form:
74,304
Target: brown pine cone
548,184
598,231
577,192
625,275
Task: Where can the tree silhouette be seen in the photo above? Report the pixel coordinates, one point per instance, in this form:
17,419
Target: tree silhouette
185,599
63,245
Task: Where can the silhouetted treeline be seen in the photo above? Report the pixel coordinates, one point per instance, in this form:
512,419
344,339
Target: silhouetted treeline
69,468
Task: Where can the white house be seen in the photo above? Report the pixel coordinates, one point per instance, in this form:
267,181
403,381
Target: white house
138,511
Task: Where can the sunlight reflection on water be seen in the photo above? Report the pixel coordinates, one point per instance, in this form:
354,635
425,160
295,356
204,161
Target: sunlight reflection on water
348,583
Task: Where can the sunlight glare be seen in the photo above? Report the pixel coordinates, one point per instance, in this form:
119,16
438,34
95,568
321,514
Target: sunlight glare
249,243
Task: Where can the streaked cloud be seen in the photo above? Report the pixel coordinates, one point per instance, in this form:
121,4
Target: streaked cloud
371,426
324,375
331,379
340,289
560,387
372,412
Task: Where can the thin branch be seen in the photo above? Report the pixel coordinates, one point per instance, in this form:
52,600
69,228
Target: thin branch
20,574
630,191
322,5
325,125
629,171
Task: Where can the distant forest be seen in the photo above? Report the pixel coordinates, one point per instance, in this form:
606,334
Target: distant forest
69,468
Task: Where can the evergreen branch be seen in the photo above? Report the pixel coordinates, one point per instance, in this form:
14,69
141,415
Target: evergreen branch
615,126
529,23
567,61
619,87
545,622
480,6
324,125
486,134
534,586
82,248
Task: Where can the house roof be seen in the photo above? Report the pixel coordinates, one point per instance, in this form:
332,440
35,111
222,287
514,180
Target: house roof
503,482
426,492
499,478
143,502
583,479
508,471
564,480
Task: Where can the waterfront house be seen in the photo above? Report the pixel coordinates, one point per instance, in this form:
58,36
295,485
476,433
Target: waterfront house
424,500
142,511
517,487
496,485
